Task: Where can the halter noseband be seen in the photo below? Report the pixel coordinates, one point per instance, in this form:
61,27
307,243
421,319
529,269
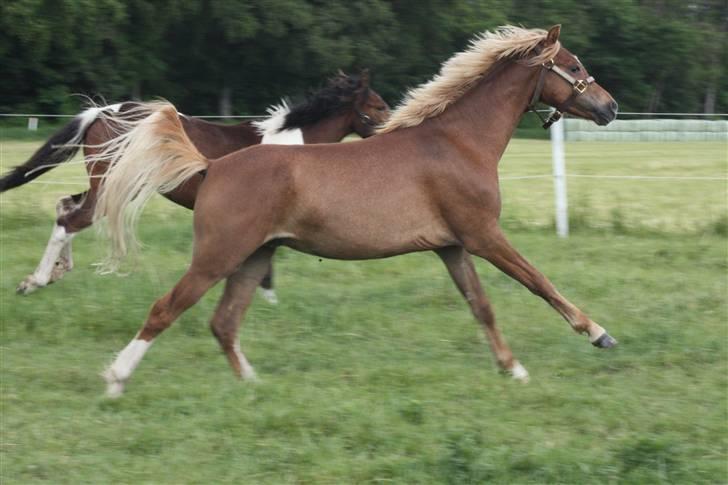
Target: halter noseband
579,87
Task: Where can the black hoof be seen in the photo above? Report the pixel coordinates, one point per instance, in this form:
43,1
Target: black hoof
604,342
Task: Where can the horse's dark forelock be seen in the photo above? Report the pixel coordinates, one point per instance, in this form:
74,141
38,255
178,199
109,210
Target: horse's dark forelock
340,93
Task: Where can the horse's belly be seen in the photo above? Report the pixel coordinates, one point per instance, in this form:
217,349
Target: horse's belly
368,242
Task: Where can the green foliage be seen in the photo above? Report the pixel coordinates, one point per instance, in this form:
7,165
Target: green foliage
652,55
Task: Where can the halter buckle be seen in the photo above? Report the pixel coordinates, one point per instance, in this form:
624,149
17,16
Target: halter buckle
549,64
553,118
580,86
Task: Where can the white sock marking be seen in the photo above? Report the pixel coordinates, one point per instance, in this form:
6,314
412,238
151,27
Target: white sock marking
519,372
59,238
67,255
246,370
269,296
599,332
127,360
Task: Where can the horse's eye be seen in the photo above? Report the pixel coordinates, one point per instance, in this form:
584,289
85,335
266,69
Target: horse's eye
575,69
381,108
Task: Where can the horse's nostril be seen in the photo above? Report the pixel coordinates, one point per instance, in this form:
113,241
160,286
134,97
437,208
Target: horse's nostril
614,106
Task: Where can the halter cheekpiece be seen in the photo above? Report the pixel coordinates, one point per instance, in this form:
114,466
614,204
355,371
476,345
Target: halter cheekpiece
579,87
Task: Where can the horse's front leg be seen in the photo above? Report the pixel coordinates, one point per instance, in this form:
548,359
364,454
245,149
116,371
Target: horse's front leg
492,245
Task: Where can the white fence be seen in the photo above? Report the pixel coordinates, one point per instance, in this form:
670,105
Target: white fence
573,129
647,130
34,118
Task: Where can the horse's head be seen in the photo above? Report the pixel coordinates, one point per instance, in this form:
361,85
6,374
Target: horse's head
370,109
565,84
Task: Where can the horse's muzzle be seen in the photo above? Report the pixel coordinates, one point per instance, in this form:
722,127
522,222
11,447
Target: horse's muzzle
606,114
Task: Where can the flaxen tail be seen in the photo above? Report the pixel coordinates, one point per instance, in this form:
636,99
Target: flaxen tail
154,154
60,148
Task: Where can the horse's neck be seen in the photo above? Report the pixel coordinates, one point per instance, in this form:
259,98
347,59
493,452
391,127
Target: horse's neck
483,120
328,130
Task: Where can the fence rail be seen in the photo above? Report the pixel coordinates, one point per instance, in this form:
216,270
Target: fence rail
560,142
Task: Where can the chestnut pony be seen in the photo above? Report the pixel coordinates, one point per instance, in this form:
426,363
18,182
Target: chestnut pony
428,181
346,104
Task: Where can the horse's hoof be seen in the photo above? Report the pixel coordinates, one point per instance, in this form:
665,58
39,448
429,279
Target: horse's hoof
248,374
114,387
27,286
519,373
114,390
269,296
251,379
604,341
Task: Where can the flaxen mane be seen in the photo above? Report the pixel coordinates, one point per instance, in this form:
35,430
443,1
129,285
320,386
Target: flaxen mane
463,70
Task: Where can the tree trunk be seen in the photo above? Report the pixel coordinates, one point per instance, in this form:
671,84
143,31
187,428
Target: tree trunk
656,97
226,108
710,94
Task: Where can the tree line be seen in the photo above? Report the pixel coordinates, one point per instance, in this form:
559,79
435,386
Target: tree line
239,56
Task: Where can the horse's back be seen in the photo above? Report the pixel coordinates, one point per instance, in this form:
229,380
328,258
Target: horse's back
214,140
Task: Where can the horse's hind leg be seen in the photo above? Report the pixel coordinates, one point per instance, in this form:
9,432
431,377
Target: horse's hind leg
66,207
266,286
73,215
164,312
463,273
239,290
494,247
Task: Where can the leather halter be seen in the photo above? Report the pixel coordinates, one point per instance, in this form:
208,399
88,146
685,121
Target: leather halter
579,87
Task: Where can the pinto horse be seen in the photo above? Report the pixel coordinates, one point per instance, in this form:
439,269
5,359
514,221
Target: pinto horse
346,104
428,181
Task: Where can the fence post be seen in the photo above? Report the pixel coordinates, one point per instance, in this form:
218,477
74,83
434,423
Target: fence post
557,152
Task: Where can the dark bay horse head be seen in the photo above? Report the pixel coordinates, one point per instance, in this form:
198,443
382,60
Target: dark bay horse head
345,94
371,109
566,85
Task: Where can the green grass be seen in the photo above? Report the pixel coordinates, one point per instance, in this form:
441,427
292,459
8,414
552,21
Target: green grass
375,371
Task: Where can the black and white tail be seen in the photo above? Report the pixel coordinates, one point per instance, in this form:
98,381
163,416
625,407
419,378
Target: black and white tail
59,148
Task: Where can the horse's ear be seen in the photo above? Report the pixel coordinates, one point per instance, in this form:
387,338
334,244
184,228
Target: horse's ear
364,78
553,35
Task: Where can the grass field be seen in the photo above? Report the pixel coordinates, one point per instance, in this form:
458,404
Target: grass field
375,371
